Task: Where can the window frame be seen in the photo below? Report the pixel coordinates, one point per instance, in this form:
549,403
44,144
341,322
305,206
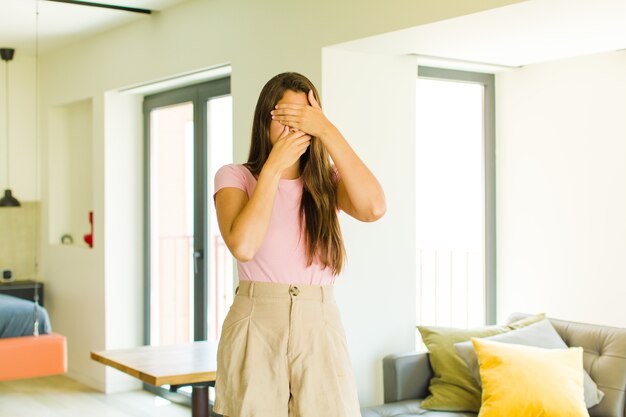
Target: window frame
487,80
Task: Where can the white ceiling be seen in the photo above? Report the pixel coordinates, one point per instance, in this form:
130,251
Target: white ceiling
63,23
515,35
519,34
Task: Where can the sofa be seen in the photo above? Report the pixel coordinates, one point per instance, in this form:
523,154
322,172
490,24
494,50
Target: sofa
406,376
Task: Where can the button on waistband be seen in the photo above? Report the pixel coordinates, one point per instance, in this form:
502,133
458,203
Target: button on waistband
282,290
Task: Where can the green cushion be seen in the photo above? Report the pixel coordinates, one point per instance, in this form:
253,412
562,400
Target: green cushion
453,388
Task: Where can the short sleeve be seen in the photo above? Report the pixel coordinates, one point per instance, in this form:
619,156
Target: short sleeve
229,176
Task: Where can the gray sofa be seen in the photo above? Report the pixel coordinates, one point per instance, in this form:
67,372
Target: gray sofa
406,375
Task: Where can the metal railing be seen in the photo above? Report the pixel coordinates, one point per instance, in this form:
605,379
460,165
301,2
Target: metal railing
172,311
450,288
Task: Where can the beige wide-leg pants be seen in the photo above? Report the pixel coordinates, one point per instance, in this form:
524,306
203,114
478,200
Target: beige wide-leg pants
283,353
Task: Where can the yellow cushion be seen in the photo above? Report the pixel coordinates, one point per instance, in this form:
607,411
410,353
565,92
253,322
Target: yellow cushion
453,388
526,381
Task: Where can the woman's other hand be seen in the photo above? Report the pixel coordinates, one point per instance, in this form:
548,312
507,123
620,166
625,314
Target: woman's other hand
309,119
287,149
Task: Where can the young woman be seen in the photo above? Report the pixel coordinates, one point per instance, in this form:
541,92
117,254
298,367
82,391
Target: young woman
283,350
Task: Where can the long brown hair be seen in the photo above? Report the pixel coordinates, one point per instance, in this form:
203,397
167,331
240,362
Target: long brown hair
319,199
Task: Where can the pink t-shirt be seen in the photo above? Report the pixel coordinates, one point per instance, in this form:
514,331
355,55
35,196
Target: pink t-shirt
281,257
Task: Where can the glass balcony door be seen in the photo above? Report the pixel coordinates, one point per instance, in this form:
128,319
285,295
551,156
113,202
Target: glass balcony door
188,132
456,200
188,269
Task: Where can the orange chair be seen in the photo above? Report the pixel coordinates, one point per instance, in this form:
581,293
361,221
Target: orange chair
32,356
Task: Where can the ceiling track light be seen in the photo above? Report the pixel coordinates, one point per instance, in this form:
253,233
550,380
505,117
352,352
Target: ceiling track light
105,6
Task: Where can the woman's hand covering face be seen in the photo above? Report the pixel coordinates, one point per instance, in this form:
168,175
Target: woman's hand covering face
308,118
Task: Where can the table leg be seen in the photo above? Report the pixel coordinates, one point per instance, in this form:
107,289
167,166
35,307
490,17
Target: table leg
200,401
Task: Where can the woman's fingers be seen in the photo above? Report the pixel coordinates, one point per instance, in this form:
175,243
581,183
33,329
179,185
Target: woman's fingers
287,119
288,133
290,145
296,134
303,139
309,118
298,140
284,133
286,111
288,115
289,106
302,147
312,100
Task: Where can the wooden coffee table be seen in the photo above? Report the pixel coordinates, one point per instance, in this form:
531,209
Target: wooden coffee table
192,364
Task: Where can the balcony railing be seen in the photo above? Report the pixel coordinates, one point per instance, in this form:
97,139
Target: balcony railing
450,288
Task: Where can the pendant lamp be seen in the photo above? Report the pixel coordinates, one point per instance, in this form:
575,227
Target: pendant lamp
7,200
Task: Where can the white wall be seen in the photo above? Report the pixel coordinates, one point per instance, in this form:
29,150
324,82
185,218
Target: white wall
70,168
74,275
561,189
376,293
123,159
259,40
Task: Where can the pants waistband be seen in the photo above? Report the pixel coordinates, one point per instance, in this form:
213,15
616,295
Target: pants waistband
322,293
